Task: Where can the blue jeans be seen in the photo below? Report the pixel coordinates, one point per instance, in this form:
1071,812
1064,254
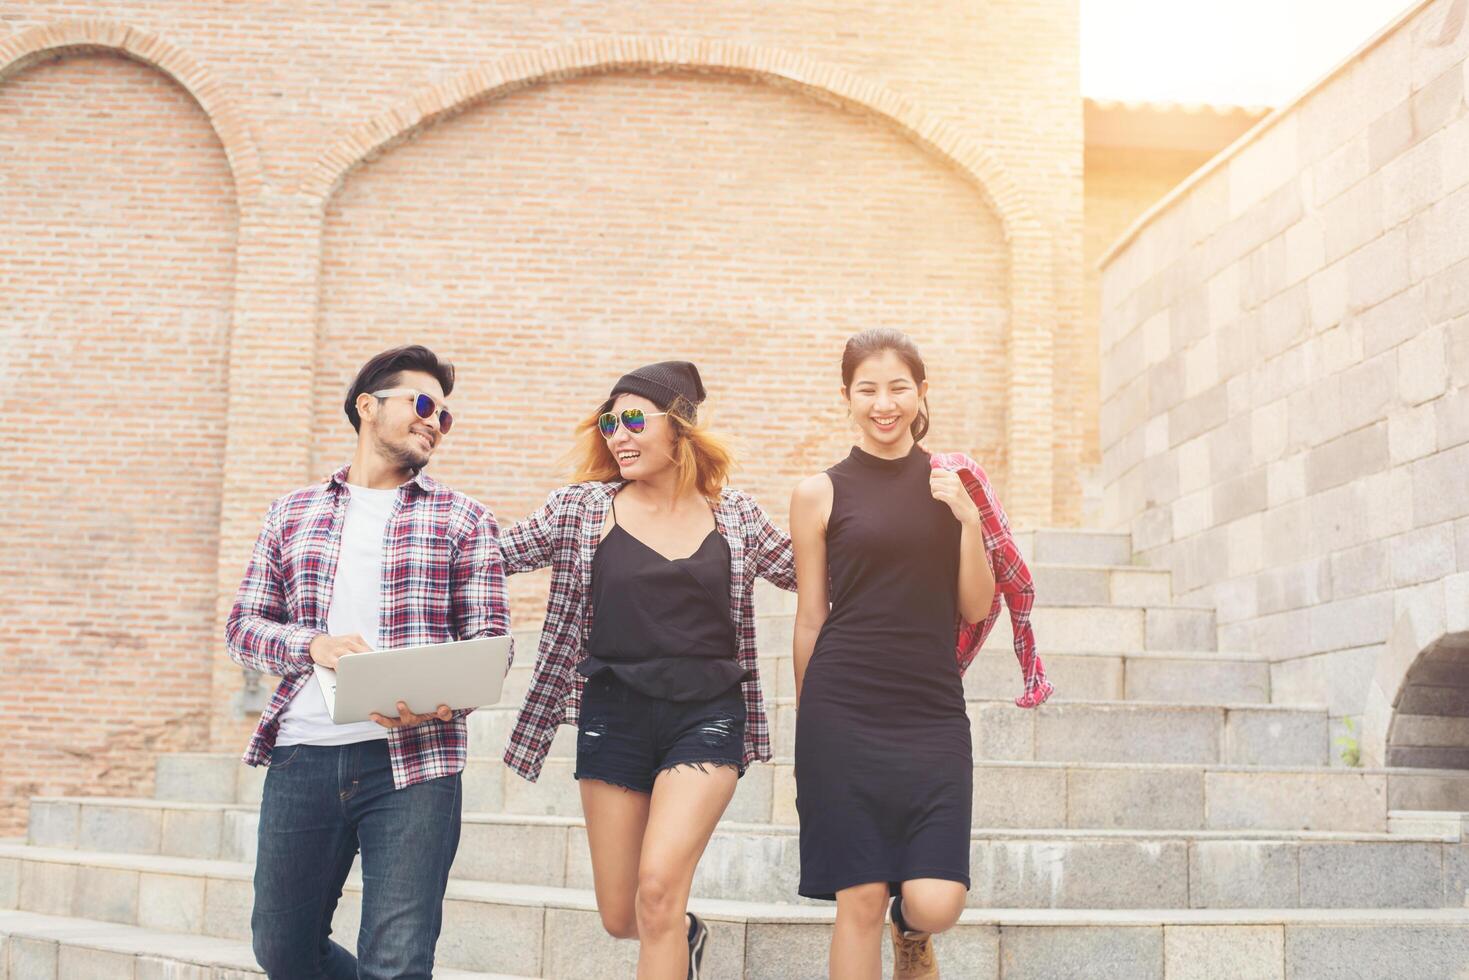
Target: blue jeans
321,804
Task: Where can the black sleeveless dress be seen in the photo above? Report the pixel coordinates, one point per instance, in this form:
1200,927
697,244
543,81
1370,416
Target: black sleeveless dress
884,764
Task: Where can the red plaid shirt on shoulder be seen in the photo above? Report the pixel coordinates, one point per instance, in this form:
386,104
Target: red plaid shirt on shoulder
1013,584
441,566
564,534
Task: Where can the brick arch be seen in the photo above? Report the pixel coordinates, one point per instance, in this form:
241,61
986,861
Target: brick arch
136,223
1030,407
607,55
25,48
1418,706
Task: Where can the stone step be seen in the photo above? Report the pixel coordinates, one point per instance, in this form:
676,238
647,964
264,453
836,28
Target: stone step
53,947
1029,795
1065,629
1432,823
555,932
1090,628
1140,675
772,601
1083,628
761,862
1063,731
1205,677
1096,584
1101,585
1068,546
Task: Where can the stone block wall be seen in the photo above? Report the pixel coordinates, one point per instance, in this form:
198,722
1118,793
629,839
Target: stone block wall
1285,369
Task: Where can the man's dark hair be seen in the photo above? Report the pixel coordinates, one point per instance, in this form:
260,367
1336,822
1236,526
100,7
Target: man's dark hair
386,371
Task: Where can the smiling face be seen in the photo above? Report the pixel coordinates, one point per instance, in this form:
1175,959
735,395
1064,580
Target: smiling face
645,454
884,400
393,426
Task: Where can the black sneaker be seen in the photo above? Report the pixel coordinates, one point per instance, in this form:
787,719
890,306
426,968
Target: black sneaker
698,936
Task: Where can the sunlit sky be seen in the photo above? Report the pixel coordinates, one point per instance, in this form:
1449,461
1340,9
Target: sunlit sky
1240,52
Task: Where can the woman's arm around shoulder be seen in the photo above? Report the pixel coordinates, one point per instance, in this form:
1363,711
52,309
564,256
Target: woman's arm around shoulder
767,544
810,509
531,543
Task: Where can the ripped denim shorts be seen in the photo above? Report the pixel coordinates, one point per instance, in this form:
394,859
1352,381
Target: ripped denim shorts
627,738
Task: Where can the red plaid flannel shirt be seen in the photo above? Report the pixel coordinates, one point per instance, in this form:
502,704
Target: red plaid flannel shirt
564,534
441,564
1012,582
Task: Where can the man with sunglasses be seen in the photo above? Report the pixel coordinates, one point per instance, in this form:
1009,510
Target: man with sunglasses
379,555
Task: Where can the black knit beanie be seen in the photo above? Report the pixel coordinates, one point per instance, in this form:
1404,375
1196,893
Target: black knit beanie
661,383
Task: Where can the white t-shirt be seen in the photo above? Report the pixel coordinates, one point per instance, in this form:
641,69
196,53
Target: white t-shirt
355,608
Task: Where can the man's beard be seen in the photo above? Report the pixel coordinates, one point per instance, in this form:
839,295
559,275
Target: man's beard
407,455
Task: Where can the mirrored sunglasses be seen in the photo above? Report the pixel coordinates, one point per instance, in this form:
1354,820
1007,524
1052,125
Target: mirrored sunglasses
424,406
634,418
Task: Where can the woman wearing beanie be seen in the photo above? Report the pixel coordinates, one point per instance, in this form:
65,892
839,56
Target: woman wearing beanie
662,681
891,554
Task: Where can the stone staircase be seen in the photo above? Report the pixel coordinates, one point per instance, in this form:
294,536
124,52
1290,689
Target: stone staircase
1161,817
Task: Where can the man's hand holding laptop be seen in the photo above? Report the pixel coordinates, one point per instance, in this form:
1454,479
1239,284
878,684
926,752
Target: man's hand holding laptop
327,650
406,718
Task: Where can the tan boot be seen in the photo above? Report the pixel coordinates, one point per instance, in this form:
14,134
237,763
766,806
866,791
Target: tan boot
913,957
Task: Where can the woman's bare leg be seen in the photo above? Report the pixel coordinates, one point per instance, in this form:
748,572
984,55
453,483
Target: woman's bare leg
687,802
616,821
856,940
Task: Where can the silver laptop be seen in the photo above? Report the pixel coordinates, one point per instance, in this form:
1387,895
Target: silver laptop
463,674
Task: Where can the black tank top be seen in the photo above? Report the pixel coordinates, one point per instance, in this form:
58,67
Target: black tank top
662,626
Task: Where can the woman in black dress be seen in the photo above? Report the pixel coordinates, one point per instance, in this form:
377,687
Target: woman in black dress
888,552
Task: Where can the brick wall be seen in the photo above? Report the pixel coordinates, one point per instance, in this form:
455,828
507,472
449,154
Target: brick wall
756,274
1285,372
546,191
114,308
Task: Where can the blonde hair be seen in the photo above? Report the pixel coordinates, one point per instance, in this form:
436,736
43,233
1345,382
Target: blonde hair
702,459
